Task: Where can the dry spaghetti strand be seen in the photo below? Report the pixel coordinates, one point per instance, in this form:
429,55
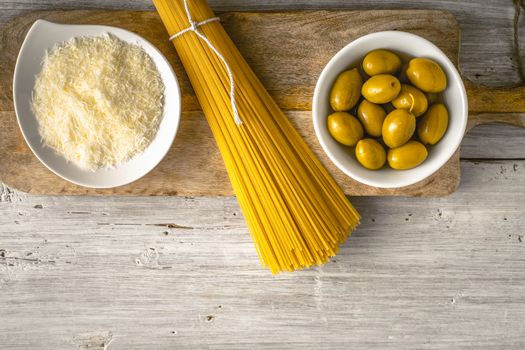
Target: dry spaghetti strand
296,213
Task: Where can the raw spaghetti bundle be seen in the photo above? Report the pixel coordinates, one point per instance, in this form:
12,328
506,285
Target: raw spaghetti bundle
295,211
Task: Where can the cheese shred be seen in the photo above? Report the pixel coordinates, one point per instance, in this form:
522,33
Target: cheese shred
98,101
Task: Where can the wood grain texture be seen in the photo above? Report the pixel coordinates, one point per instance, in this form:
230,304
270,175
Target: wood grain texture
193,167
290,83
288,68
174,272
489,105
484,99
516,119
440,273
488,55
310,38
494,141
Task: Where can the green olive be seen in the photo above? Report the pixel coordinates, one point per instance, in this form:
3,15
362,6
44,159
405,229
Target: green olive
370,154
408,156
412,99
381,88
346,90
381,62
372,117
345,128
398,127
426,75
433,124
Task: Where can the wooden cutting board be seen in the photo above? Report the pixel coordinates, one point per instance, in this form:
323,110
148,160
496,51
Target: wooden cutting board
287,50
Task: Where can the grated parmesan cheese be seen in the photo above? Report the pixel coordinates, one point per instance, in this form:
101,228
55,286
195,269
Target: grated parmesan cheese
98,101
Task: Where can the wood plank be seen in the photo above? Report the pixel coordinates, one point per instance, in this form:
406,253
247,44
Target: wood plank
423,285
487,56
291,74
292,70
483,142
165,272
494,141
181,173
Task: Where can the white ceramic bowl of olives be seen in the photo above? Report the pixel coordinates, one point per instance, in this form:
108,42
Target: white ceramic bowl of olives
390,109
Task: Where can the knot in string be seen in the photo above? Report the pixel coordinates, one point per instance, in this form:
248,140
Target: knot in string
194,27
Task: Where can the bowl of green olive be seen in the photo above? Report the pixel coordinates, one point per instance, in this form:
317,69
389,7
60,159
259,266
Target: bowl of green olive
390,109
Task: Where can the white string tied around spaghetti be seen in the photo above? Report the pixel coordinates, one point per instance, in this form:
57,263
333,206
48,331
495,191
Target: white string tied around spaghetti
194,27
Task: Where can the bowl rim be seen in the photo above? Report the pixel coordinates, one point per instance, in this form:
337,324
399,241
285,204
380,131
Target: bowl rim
450,68
167,75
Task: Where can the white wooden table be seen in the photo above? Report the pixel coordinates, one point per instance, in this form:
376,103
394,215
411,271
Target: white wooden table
182,273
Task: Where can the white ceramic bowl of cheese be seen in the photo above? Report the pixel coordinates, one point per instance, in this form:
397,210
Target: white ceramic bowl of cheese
43,37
